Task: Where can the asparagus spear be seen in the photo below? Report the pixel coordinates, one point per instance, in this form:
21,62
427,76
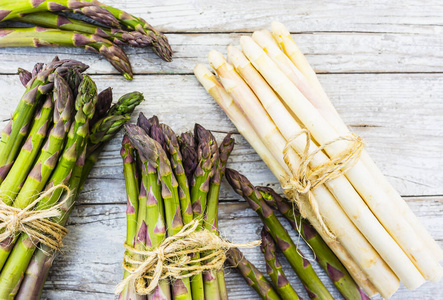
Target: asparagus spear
274,268
207,152
252,275
14,9
115,35
17,129
24,76
189,153
48,157
211,219
150,150
146,123
132,194
37,271
22,165
160,43
324,256
301,266
42,37
104,101
41,262
179,172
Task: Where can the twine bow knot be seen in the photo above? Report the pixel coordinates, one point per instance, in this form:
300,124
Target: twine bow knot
35,223
172,258
303,178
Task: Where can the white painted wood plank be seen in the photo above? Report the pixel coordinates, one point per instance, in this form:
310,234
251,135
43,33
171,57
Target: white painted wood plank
321,15
399,116
90,267
327,52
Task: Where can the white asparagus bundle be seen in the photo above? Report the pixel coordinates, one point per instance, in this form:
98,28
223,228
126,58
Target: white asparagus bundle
362,180
226,102
281,96
381,275
328,111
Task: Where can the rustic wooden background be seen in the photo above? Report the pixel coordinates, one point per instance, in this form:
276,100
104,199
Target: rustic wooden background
381,62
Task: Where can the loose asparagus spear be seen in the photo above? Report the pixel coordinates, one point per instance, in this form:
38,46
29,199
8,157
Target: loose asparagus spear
274,268
211,218
22,165
324,256
160,43
43,37
301,266
41,262
179,172
17,129
252,275
48,157
207,152
11,9
115,35
132,193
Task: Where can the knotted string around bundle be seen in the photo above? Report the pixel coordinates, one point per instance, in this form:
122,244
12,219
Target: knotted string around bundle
304,178
173,258
35,223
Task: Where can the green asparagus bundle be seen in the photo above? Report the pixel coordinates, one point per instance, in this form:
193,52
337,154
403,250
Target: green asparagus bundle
59,148
176,187
115,27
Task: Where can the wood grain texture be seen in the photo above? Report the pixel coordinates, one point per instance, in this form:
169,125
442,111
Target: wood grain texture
381,64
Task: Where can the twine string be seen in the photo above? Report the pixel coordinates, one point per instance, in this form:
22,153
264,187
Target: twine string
35,223
171,259
303,179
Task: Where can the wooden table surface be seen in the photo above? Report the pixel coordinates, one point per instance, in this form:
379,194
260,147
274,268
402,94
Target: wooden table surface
381,62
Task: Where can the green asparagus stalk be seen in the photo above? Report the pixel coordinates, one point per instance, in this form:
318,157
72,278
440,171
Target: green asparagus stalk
179,172
214,279
115,35
207,152
301,266
41,262
252,275
151,151
160,43
132,193
38,268
17,130
155,216
22,165
48,157
11,9
274,268
324,256
42,37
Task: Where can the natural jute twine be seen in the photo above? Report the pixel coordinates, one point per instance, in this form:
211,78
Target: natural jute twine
303,179
35,223
172,258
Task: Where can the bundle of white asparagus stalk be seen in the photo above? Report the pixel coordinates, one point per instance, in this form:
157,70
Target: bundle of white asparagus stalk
271,93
